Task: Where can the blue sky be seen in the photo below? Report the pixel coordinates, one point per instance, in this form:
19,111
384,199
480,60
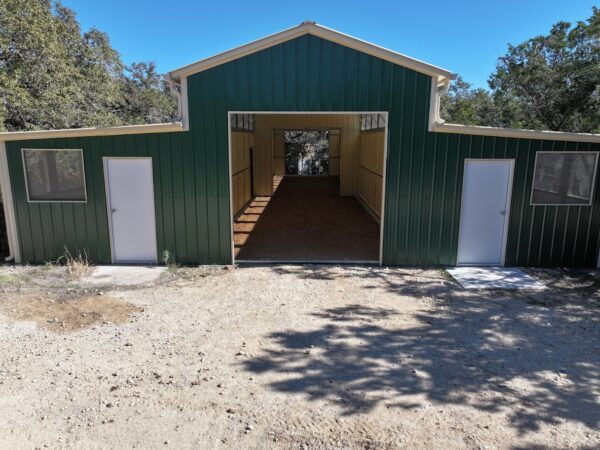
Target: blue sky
465,36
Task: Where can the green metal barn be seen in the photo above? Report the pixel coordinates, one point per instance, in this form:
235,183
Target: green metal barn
308,146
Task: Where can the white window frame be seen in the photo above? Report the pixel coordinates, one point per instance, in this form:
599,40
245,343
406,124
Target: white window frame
591,201
23,150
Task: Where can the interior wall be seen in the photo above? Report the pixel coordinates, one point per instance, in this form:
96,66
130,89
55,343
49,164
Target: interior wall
370,169
241,143
268,159
278,153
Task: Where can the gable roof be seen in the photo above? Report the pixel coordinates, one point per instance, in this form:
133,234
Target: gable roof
313,29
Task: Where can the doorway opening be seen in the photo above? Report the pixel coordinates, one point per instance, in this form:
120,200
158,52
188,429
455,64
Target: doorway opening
310,190
306,152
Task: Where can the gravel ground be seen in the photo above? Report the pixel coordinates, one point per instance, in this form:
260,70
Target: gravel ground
312,357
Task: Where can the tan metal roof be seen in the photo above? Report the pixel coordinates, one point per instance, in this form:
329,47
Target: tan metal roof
100,131
314,29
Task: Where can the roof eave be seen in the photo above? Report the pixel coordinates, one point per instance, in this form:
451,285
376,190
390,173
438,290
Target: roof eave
315,30
515,133
85,132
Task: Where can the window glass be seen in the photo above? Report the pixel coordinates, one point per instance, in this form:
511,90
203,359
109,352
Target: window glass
372,122
564,178
54,175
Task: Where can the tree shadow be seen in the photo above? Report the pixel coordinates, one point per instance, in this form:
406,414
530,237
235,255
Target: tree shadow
487,350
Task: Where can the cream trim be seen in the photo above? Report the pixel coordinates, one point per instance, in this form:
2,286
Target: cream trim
515,133
83,132
9,207
314,29
185,114
438,125
437,90
383,178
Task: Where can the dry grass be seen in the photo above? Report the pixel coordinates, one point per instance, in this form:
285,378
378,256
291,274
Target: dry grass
62,314
77,266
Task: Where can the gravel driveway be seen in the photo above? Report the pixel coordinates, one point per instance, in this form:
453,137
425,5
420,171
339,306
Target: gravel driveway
298,357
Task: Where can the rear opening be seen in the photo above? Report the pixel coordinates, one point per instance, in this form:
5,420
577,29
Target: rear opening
307,187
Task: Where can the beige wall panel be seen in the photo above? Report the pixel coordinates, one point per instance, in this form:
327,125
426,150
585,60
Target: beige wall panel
371,151
241,142
335,138
349,155
241,190
278,153
263,155
334,166
370,185
335,143
266,163
370,190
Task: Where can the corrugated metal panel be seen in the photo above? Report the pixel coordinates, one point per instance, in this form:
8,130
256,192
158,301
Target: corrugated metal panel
424,170
346,167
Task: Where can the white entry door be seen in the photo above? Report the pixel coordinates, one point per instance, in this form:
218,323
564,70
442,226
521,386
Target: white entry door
130,202
487,186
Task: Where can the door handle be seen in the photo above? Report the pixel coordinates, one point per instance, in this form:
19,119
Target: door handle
113,210
502,213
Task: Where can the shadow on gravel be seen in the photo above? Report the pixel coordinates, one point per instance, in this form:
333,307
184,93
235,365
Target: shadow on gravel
541,362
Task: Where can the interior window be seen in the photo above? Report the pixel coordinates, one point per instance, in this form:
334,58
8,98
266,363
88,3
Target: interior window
54,175
564,178
372,122
242,122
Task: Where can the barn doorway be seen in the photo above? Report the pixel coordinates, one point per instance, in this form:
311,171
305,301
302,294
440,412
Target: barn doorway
314,189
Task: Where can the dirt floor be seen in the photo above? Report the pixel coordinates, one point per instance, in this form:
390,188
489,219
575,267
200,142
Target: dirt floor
302,357
306,220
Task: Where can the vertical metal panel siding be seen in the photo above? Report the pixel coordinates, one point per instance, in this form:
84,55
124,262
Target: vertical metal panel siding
424,170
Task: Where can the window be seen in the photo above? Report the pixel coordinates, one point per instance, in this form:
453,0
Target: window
54,175
564,178
370,122
242,122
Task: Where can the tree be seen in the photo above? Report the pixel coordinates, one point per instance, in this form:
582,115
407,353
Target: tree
469,106
145,95
54,76
548,82
555,78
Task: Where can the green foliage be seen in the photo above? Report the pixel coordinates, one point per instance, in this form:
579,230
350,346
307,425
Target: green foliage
54,76
169,260
548,82
468,106
146,95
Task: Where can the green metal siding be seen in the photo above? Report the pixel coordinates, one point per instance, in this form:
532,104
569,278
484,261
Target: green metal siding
424,170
